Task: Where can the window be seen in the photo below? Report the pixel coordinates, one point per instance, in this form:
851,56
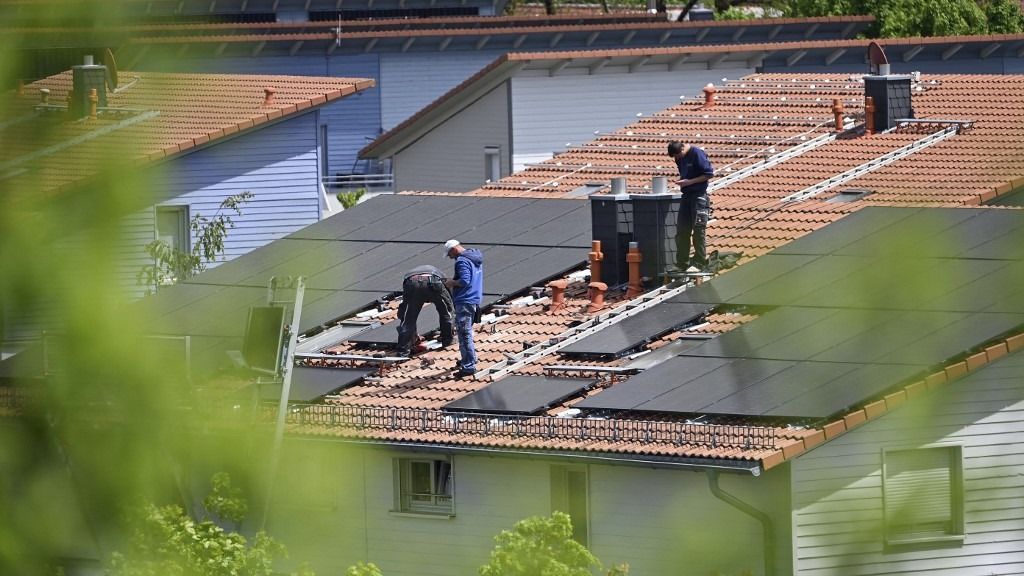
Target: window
424,486
569,495
492,163
172,226
923,495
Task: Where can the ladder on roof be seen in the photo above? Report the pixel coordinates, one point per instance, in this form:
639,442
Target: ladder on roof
770,161
596,324
874,164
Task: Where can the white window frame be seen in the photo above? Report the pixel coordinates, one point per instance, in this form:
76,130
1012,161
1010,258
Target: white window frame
902,486
492,163
437,499
184,232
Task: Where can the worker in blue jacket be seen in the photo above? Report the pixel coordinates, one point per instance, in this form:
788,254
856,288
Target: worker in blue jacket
694,207
467,286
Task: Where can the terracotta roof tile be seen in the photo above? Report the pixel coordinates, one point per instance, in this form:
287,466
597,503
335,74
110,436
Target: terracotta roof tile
149,117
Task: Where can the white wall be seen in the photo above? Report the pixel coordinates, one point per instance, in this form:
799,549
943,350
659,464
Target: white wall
550,111
450,158
656,520
837,488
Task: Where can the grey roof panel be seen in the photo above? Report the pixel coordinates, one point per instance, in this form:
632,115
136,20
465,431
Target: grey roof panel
520,395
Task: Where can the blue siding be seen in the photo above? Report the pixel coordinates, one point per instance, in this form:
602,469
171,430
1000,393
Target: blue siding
278,164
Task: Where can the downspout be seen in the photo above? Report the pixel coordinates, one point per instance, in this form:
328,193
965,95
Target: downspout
764,519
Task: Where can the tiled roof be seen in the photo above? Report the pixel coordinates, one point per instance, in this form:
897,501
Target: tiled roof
150,117
750,117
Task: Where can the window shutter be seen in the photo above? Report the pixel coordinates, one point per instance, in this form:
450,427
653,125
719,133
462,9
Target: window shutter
919,492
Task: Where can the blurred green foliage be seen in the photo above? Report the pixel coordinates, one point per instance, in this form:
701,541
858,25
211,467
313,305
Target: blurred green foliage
540,545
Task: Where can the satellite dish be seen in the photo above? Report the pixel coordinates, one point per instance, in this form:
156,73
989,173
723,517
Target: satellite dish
876,57
111,64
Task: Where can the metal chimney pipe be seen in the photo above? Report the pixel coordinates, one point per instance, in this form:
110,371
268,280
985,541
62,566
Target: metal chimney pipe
596,256
659,185
597,290
633,259
883,69
618,185
89,60
44,95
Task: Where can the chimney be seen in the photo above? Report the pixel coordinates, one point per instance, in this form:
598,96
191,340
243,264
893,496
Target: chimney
633,259
709,95
595,260
837,111
612,225
869,115
85,78
618,185
654,230
44,95
557,295
890,94
659,185
268,96
597,290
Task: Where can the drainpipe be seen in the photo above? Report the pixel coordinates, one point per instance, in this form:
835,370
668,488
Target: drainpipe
596,256
764,519
869,114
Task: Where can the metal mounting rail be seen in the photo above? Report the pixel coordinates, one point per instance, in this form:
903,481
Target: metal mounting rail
874,164
787,154
353,357
585,329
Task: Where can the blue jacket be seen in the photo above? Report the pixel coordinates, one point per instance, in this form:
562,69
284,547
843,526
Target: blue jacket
469,274
691,165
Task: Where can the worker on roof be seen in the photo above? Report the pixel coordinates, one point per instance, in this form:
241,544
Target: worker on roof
695,207
467,288
420,285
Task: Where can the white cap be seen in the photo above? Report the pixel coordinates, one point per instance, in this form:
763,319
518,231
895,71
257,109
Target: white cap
449,245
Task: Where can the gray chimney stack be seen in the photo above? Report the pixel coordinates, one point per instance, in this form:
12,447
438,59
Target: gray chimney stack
891,95
85,78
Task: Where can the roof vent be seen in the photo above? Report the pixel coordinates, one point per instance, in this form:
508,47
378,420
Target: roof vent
851,195
86,78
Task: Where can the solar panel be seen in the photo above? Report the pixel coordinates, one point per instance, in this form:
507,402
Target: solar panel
698,394
252,269
729,286
539,222
310,384
520,395
652,383
631,333
853,387
921,234
364,214
321,307
849,229
388,333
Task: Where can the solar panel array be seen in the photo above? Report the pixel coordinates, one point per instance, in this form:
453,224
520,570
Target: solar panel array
354,258
878,298
631,333
311,383
520,395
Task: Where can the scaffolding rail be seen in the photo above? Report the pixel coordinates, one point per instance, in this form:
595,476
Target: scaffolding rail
363,420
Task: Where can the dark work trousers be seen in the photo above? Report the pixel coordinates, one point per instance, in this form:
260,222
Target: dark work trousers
694,213
417,291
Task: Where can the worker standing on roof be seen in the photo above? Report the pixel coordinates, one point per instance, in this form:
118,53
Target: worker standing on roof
421,285
695,207
467,288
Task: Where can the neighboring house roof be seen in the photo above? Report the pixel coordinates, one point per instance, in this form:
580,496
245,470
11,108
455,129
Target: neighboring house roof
675,58
509,34
150,117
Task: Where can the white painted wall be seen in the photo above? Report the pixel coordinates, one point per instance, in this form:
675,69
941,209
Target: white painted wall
837,488
657,520
549,112
450,158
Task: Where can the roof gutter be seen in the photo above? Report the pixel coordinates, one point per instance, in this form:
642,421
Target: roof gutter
766,521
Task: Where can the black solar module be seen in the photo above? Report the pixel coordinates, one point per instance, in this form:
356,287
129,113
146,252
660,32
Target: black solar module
310,384
834,396
921,234
254,268
321,307
652,383
849,229
636,330
363,215
520,395
729,287
388,333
